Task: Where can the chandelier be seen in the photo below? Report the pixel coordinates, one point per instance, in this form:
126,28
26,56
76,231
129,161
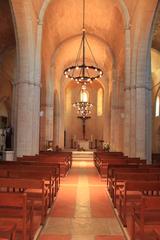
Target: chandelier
83,106
81,72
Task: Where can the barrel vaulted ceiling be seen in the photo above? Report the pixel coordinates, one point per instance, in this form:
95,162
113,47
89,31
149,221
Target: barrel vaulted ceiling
63,27
7,37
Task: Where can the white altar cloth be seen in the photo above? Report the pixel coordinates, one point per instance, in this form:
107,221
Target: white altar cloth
83,144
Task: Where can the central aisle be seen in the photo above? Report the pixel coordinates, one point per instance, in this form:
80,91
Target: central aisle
82,210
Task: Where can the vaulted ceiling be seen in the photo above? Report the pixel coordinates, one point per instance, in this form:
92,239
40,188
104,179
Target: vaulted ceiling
156,33
63,30
7,36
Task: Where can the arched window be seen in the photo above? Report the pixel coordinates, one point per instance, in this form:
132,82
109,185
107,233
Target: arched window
84,95
100,102
157,110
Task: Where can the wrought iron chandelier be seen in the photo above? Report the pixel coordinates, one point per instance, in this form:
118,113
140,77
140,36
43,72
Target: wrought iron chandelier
83,106
81,72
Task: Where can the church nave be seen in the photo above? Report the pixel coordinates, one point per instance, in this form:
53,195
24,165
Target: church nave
82,209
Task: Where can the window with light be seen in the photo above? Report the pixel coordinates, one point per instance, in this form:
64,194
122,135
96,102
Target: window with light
100,102
84,95
157,110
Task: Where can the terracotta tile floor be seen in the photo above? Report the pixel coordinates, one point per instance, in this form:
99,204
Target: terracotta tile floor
82,210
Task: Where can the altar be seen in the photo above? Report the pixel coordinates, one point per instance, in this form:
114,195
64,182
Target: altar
83,144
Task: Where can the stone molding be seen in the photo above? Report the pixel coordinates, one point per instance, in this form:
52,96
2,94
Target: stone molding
27,83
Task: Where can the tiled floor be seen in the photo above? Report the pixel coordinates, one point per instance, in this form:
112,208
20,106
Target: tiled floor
82,210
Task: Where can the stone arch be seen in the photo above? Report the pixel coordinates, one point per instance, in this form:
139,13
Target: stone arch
123,10
121,4
142,89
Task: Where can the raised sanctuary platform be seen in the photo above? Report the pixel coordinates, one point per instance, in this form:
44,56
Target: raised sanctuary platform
82,155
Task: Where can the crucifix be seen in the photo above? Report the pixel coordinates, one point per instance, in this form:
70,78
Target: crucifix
84,118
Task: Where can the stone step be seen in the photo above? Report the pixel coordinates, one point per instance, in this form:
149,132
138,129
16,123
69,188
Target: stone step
82,155
82,159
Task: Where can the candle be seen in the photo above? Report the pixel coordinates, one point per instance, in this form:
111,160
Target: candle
91,138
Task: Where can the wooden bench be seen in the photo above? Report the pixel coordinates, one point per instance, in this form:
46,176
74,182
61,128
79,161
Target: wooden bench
37,192
131,192
33,166
7,230
104,164
63,159
63,163
125,161
47,175
115,170
120,177
105,155
156,234
148,214
112,168
15,208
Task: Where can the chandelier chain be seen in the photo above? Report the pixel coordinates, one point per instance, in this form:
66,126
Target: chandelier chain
82,72
84,14
91,52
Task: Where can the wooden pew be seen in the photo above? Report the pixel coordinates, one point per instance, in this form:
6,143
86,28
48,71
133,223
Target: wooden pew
37,191
7,230
119,168
99,155
156,234
148,214
48,176
15,208
63,162
138,175
33,166
131,192
104,164
58,155
44,165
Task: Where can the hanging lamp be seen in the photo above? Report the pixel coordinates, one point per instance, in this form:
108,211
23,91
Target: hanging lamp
81,72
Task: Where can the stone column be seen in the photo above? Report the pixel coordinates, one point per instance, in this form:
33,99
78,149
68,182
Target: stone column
143,104
140,121
37,80
106,117
149,112
113,112
14,115
107,107
27,118
49,122
56,118
127,92
26,90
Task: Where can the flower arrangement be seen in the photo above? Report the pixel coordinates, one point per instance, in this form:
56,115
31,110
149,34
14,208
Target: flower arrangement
106,147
